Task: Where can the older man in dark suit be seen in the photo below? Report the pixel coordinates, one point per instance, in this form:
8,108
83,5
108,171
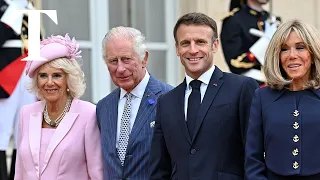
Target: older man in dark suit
201,124
126,115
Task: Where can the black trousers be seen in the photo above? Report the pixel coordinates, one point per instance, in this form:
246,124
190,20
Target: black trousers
3,165
13,164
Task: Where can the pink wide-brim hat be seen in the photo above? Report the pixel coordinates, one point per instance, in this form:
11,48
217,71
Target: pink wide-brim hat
52,48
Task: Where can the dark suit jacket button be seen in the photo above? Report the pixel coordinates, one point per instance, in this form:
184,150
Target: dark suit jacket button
193,151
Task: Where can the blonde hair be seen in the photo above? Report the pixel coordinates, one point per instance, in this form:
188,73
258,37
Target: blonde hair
75,77
274,73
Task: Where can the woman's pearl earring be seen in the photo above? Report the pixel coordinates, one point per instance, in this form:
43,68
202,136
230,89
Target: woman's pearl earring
68,90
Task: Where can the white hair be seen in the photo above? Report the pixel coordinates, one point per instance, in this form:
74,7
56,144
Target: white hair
129,33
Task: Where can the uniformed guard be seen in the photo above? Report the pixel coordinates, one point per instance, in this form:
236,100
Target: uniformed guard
242,27
13,94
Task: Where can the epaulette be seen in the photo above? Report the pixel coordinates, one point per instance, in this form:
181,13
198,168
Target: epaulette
231,13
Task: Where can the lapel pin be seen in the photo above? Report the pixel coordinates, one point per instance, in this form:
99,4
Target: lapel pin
152,124
215,84
151,101
147,95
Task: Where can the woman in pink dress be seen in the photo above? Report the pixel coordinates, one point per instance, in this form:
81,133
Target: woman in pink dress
58,136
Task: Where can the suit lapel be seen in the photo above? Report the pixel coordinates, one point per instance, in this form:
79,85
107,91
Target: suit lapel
112,110
211,92
35,126
181,89
148,103
61,132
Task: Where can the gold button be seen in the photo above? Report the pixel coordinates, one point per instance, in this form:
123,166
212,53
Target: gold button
295,138
295,165
296,125
296,113
295,152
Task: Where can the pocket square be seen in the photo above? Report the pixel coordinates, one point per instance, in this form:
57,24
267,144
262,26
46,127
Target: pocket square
152,124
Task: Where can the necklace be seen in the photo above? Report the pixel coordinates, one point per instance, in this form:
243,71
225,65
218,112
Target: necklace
55,123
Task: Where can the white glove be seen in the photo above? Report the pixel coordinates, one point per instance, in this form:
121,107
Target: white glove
12,17
270,29
258,49
256,32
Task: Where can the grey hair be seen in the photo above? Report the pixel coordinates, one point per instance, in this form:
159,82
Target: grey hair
128,33
75,77
274,73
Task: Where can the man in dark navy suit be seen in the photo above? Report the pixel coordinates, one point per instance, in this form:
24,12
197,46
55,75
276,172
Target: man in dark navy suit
201,125
126,116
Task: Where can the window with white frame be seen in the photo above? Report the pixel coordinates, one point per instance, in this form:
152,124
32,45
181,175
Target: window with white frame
88,22
155,19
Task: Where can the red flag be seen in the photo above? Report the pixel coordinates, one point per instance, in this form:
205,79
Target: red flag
11,74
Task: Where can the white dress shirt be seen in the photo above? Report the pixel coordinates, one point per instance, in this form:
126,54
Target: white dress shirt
137,93
205,79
